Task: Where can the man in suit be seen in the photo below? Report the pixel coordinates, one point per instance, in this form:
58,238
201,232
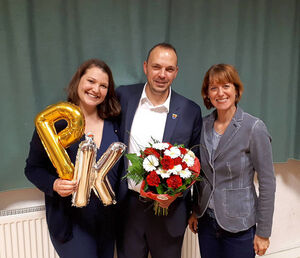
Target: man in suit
154,110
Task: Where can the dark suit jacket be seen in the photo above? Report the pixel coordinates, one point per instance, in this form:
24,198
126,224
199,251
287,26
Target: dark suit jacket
60,214
183,126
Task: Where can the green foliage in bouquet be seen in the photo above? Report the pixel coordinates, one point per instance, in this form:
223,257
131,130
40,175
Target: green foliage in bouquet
136,171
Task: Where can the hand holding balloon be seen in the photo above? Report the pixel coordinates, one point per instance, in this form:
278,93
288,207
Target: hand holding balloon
64,187
55,144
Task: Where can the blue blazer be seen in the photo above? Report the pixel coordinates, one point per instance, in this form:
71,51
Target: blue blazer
183,126
60,214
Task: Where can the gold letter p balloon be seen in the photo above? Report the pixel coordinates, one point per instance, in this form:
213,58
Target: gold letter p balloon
55,143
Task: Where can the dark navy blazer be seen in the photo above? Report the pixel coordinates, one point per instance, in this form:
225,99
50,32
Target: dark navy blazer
183,126
59,212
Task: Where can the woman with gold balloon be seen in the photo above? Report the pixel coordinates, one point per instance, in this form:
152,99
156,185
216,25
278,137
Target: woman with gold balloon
86,231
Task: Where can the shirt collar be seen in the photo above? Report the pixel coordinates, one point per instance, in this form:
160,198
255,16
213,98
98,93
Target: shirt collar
165,107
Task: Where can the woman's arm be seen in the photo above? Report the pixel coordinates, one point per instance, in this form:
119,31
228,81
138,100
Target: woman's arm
261,156
39,169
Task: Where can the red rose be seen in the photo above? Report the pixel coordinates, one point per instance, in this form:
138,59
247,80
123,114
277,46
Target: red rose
151,151
167,163
153,179
177,161
182,150
174,181
184,165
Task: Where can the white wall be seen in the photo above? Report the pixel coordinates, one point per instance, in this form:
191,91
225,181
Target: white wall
285,239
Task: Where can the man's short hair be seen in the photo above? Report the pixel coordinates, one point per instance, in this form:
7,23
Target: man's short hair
162,45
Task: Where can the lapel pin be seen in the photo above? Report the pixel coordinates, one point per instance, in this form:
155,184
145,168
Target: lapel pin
174,116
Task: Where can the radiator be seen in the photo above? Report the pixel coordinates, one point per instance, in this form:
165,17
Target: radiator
24,234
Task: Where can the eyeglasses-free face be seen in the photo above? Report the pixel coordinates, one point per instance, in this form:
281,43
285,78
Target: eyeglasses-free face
222,95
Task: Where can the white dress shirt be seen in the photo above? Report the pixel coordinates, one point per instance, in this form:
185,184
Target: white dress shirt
148,124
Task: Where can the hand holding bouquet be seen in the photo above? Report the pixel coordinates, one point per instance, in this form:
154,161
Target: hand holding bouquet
166,171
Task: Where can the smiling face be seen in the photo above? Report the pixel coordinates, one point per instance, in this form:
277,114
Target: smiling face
92,88
222,95
221,87
161,69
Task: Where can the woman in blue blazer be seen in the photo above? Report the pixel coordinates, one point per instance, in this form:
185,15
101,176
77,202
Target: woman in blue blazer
87,231
232,220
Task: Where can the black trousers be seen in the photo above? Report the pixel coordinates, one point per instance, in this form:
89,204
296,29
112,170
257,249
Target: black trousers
141,232
92,230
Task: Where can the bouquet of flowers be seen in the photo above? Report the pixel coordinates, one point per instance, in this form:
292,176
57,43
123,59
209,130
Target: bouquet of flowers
164,170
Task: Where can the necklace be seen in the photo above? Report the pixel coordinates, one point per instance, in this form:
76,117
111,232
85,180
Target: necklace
220,128
219,132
